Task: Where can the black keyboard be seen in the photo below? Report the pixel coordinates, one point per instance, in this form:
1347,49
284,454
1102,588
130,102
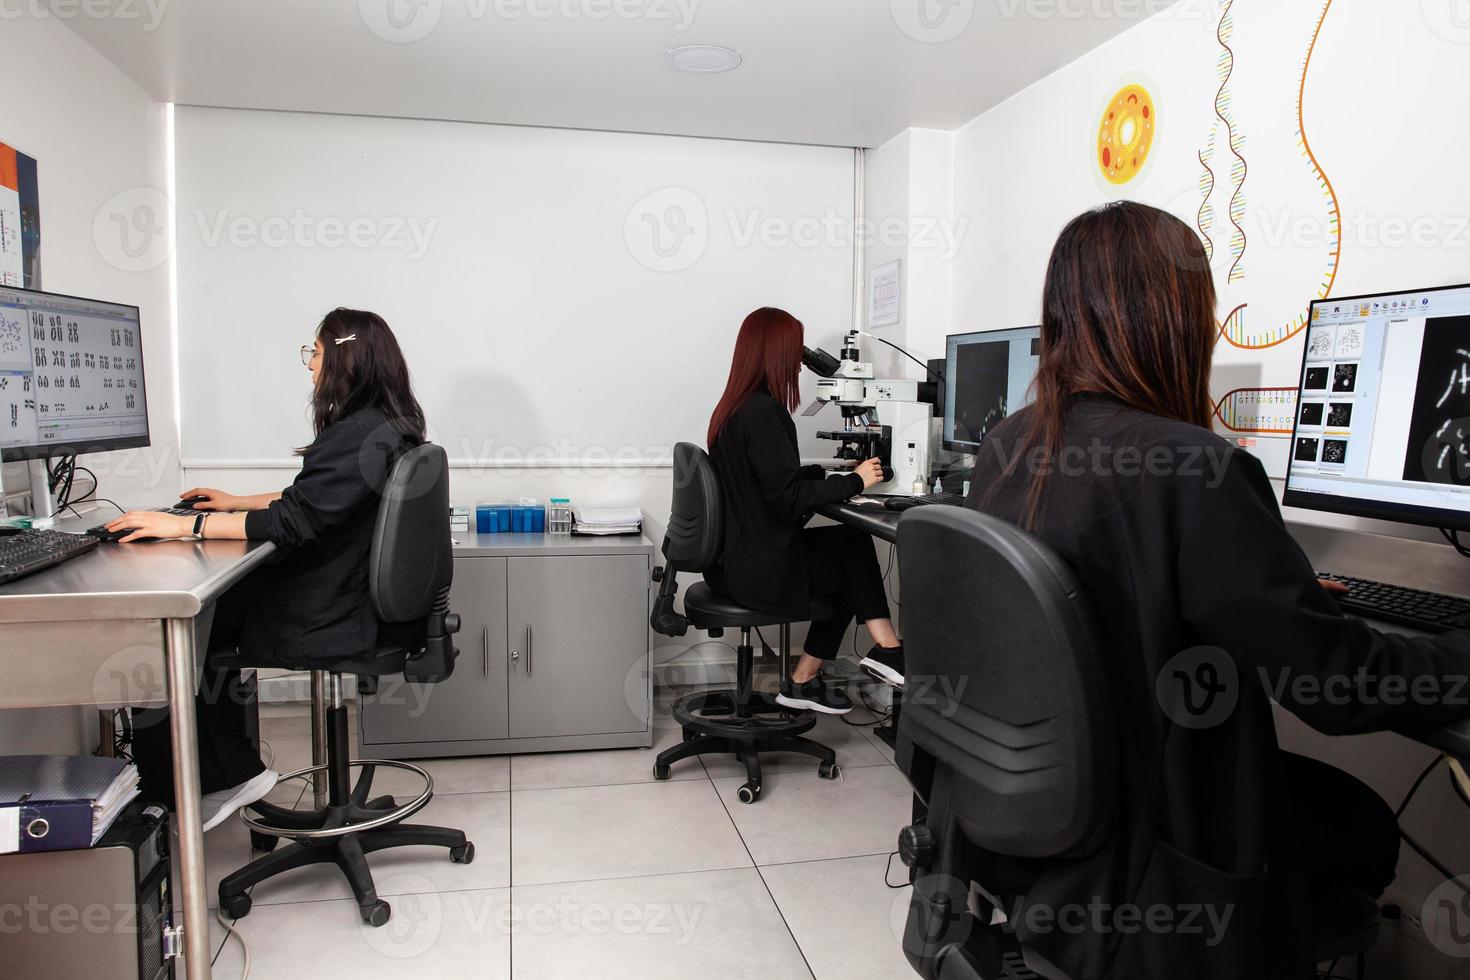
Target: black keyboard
32,551
928,499
1427,611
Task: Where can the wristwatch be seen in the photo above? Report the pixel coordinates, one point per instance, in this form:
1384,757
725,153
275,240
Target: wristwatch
199,526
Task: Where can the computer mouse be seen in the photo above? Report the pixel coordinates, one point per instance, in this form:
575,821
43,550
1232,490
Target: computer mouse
101,533
187,503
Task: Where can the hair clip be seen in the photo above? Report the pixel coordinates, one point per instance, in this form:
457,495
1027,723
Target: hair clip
342,340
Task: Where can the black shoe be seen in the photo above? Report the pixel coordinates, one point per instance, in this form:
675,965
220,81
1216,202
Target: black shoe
818,694
886,664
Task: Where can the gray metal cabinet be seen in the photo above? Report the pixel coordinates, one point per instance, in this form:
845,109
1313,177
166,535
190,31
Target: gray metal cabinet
554,654
579,645
463,707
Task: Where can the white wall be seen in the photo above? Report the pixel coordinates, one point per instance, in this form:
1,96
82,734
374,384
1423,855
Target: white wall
909,209
1025,168
517,268
100,146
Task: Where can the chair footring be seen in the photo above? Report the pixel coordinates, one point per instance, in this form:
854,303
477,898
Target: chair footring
715,713
357,815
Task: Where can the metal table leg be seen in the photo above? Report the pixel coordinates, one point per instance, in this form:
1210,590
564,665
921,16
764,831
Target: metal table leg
319,737
182,685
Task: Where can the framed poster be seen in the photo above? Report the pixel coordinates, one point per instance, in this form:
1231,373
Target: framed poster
20,220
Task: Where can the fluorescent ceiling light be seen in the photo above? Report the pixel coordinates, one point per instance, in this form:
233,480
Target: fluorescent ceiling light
705,58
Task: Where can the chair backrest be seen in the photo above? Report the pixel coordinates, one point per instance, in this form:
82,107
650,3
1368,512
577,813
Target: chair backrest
696,519
412,561
1007,722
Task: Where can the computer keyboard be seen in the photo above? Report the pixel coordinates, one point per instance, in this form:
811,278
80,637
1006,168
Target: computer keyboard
32,551
928,499
1427,611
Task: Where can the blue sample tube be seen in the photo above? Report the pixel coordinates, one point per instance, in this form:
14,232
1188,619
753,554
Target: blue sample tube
538,520
485,519
504,522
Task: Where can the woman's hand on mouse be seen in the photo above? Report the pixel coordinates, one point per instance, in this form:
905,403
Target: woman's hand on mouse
152,524
871,471
213,499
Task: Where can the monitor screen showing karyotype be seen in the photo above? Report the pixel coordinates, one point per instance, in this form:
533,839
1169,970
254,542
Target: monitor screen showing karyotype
71,375
987,376
1383,413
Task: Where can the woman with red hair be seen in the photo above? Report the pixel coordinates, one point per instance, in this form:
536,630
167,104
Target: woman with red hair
770,560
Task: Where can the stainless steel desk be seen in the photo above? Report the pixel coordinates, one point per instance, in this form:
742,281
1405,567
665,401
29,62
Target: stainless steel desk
1399,561
117,627
880,523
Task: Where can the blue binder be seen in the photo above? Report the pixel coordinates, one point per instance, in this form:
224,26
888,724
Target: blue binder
60,802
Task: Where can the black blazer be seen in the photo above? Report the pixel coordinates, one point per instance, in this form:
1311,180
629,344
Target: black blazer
1178,541
311,603
768,498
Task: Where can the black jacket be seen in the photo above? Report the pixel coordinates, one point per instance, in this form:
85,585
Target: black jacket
768,498
311,603
1178,541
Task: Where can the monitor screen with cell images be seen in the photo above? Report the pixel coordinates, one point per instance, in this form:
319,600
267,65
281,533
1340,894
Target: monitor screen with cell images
71,375
1383,416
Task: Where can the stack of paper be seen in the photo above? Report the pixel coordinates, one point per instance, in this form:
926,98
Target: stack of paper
124,790
624,520
58,802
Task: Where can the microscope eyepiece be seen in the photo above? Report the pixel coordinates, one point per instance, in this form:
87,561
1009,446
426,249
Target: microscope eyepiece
819,362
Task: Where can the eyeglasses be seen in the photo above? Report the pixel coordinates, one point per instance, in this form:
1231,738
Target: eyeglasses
309,352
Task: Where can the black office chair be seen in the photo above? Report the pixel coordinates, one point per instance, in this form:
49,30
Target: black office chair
742,721
409,573
1015,756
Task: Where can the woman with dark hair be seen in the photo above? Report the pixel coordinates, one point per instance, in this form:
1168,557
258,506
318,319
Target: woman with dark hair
311,602
771,561
1195,583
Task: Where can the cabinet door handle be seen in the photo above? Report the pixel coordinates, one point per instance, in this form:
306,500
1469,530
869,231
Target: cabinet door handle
528,651
485,645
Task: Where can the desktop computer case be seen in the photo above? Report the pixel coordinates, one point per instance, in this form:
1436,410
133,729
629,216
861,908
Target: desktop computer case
101,913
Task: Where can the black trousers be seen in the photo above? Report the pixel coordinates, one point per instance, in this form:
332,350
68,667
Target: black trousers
842,568
1350,837
227,757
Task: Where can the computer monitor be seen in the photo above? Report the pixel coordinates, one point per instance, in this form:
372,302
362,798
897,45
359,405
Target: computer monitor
1383,411
71,376
987,376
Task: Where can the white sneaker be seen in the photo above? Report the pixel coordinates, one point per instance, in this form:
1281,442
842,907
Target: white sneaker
217,807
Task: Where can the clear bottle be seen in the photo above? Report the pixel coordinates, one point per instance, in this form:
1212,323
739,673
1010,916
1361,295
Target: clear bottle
559,516
917,490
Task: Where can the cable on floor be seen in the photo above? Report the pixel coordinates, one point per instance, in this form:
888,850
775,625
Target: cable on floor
244,946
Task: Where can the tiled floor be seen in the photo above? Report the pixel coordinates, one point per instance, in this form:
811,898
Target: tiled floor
587,868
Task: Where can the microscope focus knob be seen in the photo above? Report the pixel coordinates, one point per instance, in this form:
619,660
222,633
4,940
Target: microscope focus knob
887,473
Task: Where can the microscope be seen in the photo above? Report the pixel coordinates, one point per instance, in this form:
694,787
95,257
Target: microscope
892,421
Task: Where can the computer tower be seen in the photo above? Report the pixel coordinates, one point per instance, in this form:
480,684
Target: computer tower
104,912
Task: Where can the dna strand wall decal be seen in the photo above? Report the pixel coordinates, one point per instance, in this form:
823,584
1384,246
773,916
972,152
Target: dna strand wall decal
1234,329
1258,411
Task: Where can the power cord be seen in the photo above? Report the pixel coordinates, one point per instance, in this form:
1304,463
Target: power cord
1453,537
244,946
1418,848
936,375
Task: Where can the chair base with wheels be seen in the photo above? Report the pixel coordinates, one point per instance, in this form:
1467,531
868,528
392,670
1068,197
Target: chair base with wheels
741,721
351,825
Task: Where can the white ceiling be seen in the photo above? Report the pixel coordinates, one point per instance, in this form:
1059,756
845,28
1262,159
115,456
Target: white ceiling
839,72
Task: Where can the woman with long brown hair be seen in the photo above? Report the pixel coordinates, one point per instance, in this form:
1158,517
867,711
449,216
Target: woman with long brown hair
1198,590
311,602
770,560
